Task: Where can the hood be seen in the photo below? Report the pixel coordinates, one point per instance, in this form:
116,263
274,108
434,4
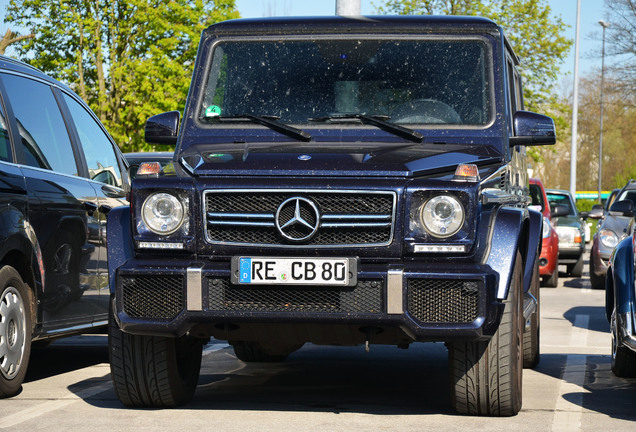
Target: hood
568,221
335,159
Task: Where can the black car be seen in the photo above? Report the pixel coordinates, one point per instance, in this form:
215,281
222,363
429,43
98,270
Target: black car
338,181
611,229
61,173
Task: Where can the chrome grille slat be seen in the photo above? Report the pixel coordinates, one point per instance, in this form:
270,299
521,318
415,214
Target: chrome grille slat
347,218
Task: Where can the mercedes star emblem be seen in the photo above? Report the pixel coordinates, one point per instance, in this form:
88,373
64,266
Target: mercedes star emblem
297,219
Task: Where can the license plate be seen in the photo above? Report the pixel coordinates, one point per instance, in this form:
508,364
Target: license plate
294,271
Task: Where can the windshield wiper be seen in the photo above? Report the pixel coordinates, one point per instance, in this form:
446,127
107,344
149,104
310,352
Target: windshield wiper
267,121
376,120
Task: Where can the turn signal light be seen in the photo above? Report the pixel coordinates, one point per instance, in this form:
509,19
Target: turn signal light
147,168
467,172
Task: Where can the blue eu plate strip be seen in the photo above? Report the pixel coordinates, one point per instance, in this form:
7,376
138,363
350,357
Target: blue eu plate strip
245,267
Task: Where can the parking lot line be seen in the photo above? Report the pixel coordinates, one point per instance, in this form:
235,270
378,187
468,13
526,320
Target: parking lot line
567,412
40,409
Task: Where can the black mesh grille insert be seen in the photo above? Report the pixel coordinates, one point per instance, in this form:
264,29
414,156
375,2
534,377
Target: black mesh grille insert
365,297
355,218
153,296
443,301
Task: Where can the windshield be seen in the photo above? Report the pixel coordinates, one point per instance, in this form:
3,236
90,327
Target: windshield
562,199
421,82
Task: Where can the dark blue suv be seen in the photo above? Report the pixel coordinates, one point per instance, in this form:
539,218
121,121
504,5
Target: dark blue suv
336,181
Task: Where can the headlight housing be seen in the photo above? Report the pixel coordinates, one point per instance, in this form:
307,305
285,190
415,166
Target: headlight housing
608,238
163,213
547,228
442,216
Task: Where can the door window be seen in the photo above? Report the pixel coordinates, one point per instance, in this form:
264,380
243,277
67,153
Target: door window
5,149
44,139
102,161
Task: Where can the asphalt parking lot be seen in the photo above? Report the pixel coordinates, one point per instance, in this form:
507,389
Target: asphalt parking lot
343,388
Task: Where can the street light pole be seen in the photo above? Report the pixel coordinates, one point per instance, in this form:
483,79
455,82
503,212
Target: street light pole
600,141
575,104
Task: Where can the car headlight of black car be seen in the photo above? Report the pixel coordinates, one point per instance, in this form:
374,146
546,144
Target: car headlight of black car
163,213
440,221
442,216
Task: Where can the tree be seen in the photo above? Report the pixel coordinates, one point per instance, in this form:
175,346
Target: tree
11,37
128,59
536,36
621,40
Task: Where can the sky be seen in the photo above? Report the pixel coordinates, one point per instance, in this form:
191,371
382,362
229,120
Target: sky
590,32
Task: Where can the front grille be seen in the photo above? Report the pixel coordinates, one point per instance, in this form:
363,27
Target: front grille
365,297
352,218
159,297
443,301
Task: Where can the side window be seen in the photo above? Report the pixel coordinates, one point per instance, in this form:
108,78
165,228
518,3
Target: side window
44,138
101,159
5,146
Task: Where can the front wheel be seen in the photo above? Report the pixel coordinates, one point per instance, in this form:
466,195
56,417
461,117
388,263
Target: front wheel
152,371
249,351
487,375
576,270
623,359
15,331
531,351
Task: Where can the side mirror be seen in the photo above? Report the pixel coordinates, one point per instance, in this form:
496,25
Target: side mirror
559,210
595,213
162,128
622,208
532,129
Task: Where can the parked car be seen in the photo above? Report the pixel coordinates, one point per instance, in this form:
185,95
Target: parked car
620,301
136,159
327,190
61,174
571,231
611,229
549,259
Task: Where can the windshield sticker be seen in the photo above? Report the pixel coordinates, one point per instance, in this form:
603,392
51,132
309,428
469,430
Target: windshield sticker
213,111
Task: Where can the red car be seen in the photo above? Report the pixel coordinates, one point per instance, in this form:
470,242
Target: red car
548,261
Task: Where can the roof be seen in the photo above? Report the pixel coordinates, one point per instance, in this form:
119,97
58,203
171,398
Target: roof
392,23
8,63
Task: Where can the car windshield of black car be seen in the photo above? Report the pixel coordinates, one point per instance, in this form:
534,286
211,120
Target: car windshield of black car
427,81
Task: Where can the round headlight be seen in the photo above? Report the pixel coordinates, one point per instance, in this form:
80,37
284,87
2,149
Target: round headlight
608,238
162,213
442,216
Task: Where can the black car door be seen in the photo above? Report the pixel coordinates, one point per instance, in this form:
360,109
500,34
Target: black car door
62,205
105,169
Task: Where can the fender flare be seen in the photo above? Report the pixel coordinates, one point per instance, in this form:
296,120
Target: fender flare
120,242
514,229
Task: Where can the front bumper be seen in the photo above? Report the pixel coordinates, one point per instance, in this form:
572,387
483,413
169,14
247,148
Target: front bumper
601,257
426,302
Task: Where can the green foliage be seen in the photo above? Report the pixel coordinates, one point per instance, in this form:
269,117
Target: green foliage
536,36
585,205
127,59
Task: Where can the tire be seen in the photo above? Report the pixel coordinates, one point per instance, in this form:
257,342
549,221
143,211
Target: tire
553,280
487,375
576,270
623,359
598,282
15,331
152,371
251,352
531,337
